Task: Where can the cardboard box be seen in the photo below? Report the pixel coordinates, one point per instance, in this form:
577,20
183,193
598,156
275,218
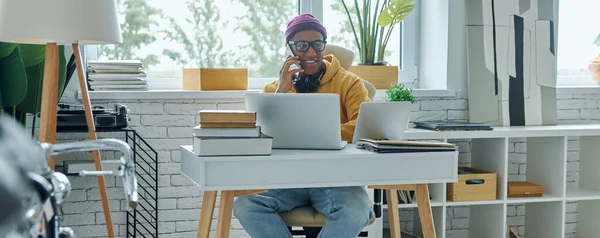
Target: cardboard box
524,189
380,76
215,79
478,185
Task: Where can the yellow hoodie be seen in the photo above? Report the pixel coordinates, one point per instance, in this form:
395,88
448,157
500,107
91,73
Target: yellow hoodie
347,85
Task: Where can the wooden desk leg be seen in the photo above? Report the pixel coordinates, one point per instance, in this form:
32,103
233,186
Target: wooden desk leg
424,207
206,213
225,213
392,201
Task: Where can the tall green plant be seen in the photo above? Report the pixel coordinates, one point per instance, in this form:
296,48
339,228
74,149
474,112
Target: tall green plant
22,76
375,25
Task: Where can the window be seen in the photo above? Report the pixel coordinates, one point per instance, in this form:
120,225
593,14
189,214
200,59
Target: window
578,42
335,20
170,35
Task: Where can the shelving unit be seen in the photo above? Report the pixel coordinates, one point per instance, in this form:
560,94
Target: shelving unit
546,159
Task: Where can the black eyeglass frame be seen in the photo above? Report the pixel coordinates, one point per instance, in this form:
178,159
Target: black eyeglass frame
310,44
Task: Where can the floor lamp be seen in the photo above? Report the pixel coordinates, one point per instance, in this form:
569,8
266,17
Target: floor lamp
62,22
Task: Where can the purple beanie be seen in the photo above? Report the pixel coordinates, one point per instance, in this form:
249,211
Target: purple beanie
304,22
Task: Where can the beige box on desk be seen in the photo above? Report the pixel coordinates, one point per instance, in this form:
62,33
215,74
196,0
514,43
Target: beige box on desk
215,79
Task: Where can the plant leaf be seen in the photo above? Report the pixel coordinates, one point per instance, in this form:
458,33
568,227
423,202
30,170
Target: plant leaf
395,12
35,77
6,49
13,79
32,54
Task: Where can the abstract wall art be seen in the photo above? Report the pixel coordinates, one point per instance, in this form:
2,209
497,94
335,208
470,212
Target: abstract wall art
511,62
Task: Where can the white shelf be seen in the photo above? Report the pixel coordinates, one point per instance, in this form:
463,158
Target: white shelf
581,194
469,203
508,132
546,160
434,203
544,198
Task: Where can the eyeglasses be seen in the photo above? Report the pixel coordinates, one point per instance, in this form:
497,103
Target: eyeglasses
318,45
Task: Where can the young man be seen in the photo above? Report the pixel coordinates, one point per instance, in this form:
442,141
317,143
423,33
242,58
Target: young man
348,209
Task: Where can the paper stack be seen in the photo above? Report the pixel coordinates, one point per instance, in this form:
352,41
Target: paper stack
122,75
228,133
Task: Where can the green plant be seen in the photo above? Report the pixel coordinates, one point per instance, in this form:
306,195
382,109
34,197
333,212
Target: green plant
399,93
22,75
375,26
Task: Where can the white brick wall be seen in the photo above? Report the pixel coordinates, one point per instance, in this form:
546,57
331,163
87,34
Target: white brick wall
167,124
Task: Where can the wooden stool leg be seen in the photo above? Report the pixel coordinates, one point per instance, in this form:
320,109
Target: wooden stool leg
392,201
208,207
225,213
424,207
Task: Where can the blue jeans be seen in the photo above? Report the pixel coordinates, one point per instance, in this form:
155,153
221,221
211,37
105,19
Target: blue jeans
348,210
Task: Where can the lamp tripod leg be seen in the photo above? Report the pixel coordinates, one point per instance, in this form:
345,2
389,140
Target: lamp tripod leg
87,105
49,99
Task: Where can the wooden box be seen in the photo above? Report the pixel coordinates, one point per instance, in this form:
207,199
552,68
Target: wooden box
380,76
524,189
478,185
215,79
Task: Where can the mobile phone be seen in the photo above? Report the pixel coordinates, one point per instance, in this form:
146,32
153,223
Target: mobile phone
289,51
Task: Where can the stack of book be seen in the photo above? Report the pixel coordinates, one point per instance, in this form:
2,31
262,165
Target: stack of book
112,75
230,133
392,146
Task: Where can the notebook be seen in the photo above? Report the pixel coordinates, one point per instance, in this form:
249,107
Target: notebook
452,125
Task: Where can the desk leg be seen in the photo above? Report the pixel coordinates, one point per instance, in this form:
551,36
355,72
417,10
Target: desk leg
225,213
392,201
422,194
208,207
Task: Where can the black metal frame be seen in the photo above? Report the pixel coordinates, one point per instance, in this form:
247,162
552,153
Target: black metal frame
146,213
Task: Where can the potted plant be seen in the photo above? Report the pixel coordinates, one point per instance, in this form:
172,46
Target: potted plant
372,29
400,93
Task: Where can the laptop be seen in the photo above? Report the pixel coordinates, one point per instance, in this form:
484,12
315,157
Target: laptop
298,120
382,120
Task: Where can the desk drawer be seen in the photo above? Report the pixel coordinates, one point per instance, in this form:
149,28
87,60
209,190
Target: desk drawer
268,172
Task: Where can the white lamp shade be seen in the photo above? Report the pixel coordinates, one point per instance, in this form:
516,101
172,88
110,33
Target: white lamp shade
59,21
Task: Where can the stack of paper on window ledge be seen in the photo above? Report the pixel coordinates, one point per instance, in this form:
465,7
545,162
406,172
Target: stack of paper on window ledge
116,75
400,146
230,133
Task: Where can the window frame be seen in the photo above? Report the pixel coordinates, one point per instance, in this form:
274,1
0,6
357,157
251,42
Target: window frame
409,48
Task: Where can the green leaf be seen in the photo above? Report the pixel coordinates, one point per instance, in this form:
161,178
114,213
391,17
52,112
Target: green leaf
398,93
35,78
32,54
395,12
35,75
6,49
13,79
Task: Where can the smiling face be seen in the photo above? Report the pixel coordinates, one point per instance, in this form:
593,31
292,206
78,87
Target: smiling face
309,59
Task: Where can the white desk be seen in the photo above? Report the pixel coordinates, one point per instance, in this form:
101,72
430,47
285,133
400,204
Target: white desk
243,175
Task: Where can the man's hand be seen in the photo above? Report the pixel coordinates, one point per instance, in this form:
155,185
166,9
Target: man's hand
286,75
